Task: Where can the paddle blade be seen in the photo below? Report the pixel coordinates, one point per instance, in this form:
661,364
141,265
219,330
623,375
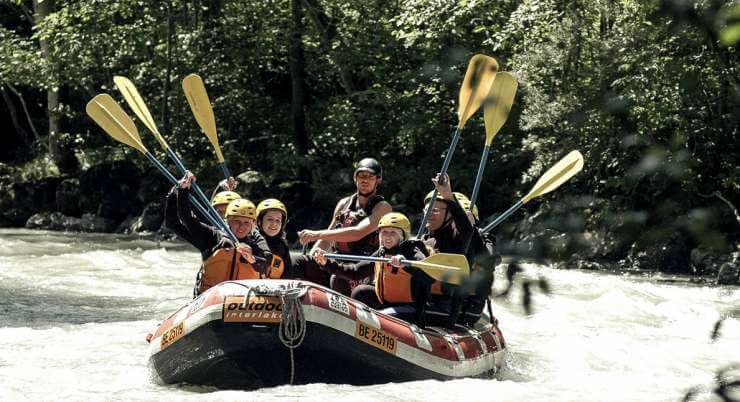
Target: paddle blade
195,92
556,175
134,100
476,86
450,268
114,121
498,104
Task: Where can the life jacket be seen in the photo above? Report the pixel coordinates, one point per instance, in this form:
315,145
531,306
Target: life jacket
229,265
276,268
350,216
392,284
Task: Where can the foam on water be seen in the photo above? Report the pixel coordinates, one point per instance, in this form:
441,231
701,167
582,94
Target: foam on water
74,311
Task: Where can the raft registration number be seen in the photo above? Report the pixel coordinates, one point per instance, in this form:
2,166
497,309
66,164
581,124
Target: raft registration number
262,309
375,337
172,334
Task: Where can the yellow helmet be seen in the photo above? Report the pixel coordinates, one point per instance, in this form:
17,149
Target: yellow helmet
396,220
461,198
241,207
429,197
224,197
271,203
464,202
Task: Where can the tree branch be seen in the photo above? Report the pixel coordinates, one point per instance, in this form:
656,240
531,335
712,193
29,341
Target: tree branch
25,111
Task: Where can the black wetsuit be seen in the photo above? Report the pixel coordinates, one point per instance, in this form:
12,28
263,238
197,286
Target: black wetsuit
445,309
478,289
207,239
279,247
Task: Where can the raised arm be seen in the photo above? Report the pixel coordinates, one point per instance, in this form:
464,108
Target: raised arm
202,236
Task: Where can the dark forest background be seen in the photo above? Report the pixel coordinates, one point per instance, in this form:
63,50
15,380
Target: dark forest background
648,91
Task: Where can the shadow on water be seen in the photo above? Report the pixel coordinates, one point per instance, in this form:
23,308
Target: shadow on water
37,308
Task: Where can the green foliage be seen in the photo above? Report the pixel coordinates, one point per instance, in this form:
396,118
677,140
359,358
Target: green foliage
647,90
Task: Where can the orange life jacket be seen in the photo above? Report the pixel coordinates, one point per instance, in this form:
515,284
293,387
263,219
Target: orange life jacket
392,285
226,265
276,268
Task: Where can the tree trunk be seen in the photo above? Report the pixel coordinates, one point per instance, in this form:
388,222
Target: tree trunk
168,71
297,75
60,152
327,32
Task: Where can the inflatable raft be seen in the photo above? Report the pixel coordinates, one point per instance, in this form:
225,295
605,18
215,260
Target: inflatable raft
262,333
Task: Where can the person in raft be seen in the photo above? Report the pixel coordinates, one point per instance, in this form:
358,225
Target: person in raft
354,226
476,292
449,231
219,201
222,259
400,290
271,219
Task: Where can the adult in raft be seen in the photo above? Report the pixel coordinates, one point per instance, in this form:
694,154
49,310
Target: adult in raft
171,220
354,226
222,259
449,231
271,219
476,291
400,290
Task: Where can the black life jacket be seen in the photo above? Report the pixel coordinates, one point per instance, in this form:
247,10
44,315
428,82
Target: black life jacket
350,216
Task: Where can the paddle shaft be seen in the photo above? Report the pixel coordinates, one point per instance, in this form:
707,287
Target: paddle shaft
479,177
217,222
445,165
224,169
503,216
342,257
206,202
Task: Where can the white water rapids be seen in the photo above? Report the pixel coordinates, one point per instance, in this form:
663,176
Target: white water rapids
75,310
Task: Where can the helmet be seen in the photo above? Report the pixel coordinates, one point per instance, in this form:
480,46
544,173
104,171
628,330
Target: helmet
241,207
224,197
461,198
271,203
464,202
396,220
429,197
369,165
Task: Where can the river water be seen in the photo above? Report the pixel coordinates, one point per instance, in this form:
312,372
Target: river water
75,310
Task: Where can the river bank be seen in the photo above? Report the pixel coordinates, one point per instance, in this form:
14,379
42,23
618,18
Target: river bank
571,232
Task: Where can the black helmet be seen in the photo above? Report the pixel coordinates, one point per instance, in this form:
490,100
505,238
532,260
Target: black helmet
369,165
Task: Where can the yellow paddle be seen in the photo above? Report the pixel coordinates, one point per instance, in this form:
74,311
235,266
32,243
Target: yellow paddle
450,268
475,87
495,112
109,115
134,100
552,179
195,92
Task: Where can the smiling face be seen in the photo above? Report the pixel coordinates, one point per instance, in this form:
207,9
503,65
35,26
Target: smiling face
272,222
241,226
390,237
366,183
438,215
